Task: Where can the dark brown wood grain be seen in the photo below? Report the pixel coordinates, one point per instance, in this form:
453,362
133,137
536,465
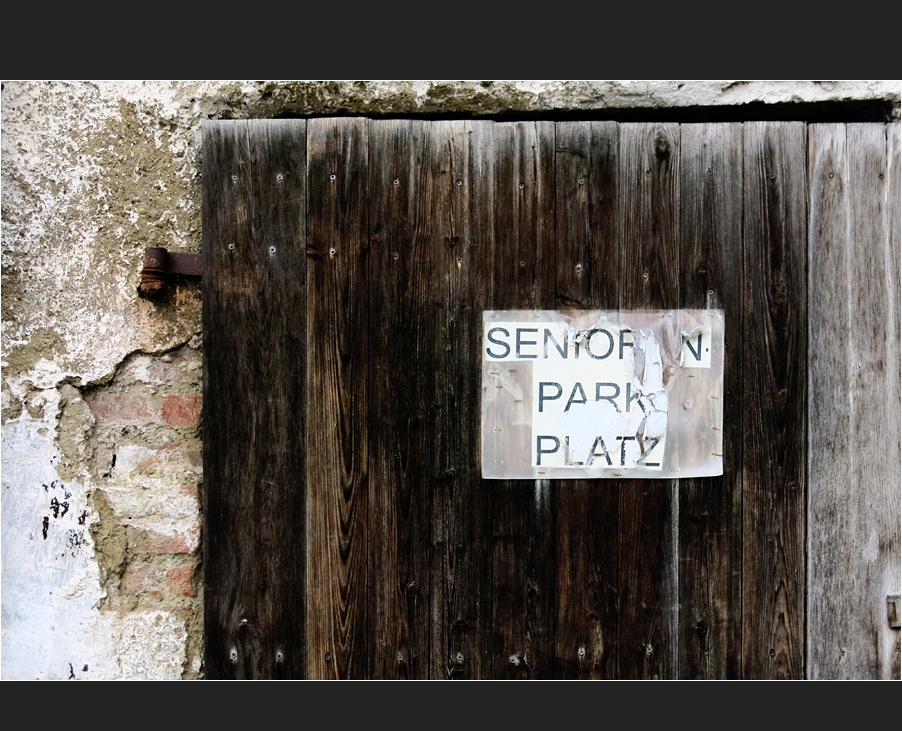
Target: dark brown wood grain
774,406
710,510
524,591
461,233
337,463
254,399
586,511
401,384
347,530
649,223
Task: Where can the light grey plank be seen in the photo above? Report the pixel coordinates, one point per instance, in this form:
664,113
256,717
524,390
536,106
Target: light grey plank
854,402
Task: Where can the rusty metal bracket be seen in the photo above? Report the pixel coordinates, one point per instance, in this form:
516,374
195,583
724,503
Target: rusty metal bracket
161,265
892,610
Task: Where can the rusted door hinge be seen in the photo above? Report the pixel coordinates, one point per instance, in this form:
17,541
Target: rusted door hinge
161,265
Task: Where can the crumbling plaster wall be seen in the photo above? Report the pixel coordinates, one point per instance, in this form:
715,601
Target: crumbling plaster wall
101,390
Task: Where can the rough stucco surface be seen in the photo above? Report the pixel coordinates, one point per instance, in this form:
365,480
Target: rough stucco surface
101,389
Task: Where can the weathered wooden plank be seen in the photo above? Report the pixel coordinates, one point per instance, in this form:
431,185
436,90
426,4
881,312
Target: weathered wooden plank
523,530
830,456
774,400
461,515
254,399
854,381
586,512
710,510
649,222
400,381
337,317
891,649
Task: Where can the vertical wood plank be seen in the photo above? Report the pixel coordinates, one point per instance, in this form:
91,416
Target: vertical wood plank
523,513
774,399
854,380
649,224
400,386
710,510
891,648
254,399
586,512
461,570
337,316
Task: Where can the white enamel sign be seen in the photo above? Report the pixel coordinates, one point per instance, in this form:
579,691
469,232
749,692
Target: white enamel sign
602,394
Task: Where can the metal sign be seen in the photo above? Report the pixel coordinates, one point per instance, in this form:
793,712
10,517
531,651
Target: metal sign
602,394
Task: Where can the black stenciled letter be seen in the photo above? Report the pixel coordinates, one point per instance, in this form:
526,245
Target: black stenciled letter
521,342
507,348
540,451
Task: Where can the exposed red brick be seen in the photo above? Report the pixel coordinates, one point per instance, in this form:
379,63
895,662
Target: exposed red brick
178,581
181,410
181,456
144,580
151,542
191,492
120,409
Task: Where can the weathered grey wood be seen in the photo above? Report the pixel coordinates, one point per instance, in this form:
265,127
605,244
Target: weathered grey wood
586,519
854,382
891,647
649,235
337,458
254,399
774,406
710,511
401,381
524,592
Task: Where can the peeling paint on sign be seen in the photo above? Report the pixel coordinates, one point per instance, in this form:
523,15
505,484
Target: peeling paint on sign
602,394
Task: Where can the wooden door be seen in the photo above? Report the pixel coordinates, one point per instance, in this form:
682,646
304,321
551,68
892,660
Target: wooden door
348,532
